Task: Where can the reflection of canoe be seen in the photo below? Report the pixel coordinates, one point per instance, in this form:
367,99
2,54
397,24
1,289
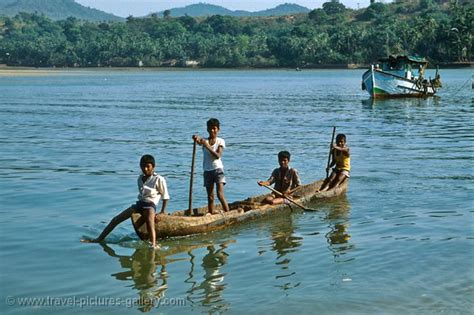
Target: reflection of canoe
178,224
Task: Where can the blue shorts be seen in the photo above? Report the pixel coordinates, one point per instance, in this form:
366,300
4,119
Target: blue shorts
214,177
139,206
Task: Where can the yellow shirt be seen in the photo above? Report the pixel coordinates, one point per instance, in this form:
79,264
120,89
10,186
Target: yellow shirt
343,162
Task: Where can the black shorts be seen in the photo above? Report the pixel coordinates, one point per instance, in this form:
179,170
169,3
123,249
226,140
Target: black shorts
139,206
214,177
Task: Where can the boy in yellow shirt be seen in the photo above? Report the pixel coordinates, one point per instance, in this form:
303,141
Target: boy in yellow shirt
342,160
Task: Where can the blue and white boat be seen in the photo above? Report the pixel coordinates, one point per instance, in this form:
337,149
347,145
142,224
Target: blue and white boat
400,76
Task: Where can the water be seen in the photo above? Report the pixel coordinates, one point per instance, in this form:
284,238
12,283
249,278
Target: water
400,242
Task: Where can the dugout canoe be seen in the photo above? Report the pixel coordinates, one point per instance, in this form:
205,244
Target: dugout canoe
180,224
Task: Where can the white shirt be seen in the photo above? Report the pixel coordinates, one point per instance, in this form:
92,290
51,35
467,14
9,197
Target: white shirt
152,189
209,162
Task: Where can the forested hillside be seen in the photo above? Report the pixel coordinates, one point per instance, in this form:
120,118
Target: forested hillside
204,9
333,34
54,9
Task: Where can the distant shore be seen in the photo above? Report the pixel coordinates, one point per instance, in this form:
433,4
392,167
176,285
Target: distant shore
6,71
9,71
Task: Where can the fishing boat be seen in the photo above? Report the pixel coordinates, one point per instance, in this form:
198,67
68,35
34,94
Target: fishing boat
180,223
400,76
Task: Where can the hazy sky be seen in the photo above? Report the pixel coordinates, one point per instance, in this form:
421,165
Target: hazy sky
143,7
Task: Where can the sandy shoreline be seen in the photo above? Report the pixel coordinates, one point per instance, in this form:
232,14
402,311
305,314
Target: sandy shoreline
6,71
27,71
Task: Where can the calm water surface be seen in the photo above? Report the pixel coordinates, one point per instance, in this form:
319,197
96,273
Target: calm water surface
400,242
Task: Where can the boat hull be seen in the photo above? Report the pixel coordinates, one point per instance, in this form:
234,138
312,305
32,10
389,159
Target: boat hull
178,224
380,84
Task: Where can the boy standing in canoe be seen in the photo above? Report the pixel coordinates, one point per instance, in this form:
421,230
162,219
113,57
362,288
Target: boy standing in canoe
341,158
213,148
286,179
151,187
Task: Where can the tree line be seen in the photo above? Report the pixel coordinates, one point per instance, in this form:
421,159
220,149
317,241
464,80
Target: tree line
333,34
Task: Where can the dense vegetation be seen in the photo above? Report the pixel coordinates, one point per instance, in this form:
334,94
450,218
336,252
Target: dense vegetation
333,34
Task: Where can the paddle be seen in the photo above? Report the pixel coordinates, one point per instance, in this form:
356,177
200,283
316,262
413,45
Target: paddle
330,151
190,206
289,199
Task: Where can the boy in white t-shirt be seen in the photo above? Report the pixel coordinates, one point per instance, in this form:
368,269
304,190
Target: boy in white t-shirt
212,149
151,188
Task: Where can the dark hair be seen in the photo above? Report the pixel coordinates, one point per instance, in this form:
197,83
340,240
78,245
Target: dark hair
213,122
284,154
147,158
340,136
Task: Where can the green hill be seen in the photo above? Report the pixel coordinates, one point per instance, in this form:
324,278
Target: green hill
283,9
201,9
55,9
204,9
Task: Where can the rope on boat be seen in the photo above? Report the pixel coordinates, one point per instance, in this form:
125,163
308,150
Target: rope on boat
462,86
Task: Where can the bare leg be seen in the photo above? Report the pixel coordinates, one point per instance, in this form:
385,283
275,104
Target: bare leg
220,195
272,200
210,199
277,201
328,181
141,220
339,179
124,215
268,200
149,215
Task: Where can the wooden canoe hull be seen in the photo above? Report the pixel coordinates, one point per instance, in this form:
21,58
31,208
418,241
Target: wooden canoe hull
178,224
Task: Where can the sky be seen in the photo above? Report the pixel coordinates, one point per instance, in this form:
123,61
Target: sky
126,8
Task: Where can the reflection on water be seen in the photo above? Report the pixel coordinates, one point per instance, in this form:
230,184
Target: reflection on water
141,268
285,243
337,213
209,291
401,102
146,268
337,217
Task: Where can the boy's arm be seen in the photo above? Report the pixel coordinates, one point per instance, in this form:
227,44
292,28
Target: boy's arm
291,191
201,141
296,183
217,154
163,190
344,150
268,182
163,206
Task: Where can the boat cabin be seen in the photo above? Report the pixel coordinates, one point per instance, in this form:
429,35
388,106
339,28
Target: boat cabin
408,67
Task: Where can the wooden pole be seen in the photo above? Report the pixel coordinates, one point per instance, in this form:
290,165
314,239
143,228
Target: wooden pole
330,151
190,206
288,198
